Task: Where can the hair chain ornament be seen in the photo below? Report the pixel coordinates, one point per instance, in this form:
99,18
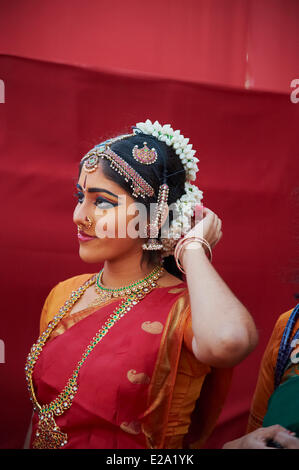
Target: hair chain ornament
153,228
48,434
138,184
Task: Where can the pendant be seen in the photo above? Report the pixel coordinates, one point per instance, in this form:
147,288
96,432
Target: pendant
48,435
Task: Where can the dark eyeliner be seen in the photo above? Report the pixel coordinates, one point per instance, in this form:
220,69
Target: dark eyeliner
79,195
100,199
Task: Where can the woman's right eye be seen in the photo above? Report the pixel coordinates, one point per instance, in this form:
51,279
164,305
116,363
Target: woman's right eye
80,196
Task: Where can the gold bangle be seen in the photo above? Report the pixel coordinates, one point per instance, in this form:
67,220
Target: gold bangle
185,241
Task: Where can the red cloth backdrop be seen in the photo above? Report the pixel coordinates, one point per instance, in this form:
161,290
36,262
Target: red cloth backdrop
227,42
248,149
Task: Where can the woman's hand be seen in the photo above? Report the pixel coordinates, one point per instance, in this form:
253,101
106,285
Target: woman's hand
259,438
207,225
224,331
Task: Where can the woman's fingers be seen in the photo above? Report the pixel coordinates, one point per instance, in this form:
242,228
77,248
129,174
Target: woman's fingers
206,210
220,233
206,224
209,214
198,212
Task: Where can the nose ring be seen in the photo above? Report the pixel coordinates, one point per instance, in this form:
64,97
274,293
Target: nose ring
89,222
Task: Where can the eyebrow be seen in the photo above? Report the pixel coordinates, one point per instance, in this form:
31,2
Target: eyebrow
97,190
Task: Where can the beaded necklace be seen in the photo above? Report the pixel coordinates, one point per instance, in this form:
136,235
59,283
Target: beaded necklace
48,434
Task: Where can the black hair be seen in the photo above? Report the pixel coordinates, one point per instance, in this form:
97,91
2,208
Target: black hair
168,168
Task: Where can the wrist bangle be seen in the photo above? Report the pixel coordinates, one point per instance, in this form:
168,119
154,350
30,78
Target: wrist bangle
185,241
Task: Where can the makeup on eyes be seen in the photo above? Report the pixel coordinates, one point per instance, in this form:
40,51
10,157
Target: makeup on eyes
98,190
98,200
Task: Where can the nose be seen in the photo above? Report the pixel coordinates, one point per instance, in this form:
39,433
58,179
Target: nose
81,219
86,225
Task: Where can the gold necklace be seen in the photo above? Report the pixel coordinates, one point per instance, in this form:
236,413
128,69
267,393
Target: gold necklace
107,293
48,435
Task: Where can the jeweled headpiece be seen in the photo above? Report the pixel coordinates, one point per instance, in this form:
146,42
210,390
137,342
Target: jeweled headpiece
145,155
138,184
185,205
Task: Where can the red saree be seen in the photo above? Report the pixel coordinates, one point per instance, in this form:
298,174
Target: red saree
141,385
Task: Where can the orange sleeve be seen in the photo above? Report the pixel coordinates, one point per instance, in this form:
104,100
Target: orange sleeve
58,295
44,318
265,383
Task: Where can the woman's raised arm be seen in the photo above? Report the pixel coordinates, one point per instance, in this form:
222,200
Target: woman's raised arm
224,331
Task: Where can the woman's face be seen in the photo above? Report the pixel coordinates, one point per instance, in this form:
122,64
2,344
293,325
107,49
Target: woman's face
111,209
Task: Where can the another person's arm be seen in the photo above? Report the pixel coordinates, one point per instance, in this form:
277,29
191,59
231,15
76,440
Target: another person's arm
265,383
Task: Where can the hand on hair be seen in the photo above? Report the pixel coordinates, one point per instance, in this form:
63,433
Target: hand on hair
207,225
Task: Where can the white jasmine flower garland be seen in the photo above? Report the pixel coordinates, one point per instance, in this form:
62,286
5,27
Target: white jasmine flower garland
176,140
185,205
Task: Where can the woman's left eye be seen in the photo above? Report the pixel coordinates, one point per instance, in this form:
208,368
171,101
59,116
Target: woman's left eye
103,204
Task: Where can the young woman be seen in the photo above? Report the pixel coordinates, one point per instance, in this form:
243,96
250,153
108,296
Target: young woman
136,355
